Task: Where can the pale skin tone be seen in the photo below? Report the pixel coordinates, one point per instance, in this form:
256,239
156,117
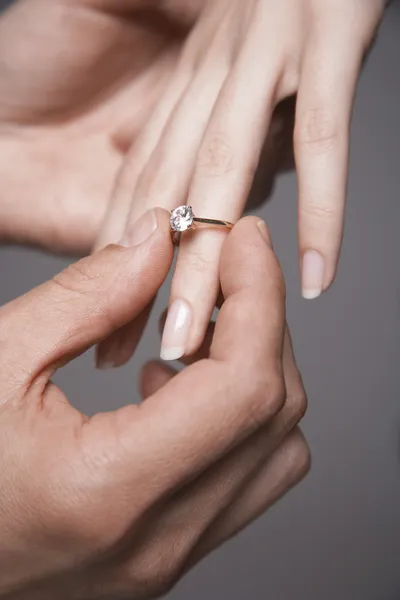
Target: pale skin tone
101,100
91,508
104,507
171,105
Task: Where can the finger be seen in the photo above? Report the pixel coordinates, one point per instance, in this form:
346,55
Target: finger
225,168
250,276
214,405
296,397
167,174
328,80
169,169
116,350
213,494
288,465
87,302
132,193
203,351
115,219
154,376
240,487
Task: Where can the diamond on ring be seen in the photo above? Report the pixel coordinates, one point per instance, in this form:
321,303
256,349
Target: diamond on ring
182,218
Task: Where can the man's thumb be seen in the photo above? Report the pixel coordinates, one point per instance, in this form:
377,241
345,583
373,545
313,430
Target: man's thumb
88,301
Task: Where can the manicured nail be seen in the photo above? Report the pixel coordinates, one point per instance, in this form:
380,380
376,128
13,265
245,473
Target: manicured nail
103,358
312,274
141,230
115,351
102,363
107,357
176,330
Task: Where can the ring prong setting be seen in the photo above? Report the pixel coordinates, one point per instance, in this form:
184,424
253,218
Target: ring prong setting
182,218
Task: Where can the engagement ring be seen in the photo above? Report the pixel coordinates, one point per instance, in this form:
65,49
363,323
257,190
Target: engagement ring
183,218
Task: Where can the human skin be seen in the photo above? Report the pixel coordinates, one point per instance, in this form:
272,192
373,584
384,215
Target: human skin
77,82
166,102
122,504
203,143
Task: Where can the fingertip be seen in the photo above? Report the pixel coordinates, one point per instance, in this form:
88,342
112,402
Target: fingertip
172,353
102,361
177,329
249,225
115,351
249,231
317,274
248,257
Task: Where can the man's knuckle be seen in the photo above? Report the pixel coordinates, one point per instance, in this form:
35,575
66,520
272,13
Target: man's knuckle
296,405
265,398
154,571
216,157
316,129
276,393
298,456
159,581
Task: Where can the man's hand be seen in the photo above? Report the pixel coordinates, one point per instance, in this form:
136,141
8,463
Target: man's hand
126,502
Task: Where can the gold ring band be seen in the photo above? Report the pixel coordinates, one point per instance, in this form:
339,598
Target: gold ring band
183,218
215,222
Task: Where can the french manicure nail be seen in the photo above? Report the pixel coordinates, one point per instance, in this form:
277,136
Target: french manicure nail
313,272
103,359
141,230
176,330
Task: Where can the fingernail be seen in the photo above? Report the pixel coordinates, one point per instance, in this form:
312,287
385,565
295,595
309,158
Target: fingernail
141,230
263,229
102,359
104,364
113,353
106,358
312,274
176,330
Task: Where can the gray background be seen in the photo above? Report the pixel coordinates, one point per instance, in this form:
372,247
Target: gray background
337,536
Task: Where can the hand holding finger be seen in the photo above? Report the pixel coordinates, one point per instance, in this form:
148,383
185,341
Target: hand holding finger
115,491
123,269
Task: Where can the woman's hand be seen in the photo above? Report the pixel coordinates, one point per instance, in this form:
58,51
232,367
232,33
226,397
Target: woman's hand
122,504
202,144
78,78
